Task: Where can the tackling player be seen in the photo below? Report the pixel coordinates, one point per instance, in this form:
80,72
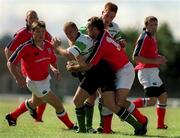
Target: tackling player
108,14
106,49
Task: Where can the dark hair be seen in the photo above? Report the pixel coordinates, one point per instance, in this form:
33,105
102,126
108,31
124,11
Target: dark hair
111,6
68,24
96,22
36,24
149,19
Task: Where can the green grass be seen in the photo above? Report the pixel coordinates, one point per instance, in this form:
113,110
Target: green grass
53,128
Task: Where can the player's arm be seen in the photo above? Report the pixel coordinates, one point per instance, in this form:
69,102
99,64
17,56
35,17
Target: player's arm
158,60
80,65
13,65
63,52
55,70
7,52
14,70
140,51
54,65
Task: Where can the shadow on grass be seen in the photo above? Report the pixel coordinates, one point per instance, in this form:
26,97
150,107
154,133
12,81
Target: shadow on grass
153,136
128,134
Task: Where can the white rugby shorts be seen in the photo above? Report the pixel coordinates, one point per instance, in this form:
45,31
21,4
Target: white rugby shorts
125,77
149,77
39,88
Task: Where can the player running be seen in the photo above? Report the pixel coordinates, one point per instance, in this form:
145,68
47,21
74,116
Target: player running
21,37
38,57
148,61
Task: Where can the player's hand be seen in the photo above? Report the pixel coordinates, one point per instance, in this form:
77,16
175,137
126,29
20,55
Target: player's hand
68,67
123,43
72,67
72,62
161,60
21,82
55,42
57,75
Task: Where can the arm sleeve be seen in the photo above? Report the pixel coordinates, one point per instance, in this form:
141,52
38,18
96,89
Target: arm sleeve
17,55
74,50
140,47
15,42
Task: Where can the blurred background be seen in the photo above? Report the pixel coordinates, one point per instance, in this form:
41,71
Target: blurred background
130,17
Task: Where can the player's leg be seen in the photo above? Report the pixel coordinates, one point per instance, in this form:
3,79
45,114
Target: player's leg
53,100
40,110
79,98
41,89
23,107
124,81
149,79
87,87
122,113
106,116
12,116
161,109
121,100
145,102
32,104
89,111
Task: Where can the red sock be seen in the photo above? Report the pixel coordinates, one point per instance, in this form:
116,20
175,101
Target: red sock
160,116
65,119
140,117
20,110
139,102
40,111
107,120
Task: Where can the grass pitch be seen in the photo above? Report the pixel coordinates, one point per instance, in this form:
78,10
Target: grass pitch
53,128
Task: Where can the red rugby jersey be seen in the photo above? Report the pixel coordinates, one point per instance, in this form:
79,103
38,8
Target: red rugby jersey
110,51
22,36
146,46
35,61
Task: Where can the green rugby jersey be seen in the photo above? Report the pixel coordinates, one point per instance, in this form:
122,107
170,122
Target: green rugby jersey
83,46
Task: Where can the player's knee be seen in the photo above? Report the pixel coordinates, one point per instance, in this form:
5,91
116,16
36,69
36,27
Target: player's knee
152,101
120,102
163,98
105,111
91,100
164,95
77,102
111,106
